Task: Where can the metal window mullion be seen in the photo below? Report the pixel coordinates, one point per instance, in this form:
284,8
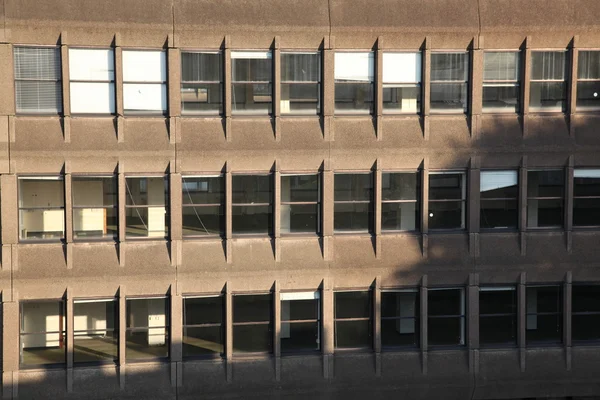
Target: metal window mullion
206,325
250,323
499,315
399,201
299,321
301,203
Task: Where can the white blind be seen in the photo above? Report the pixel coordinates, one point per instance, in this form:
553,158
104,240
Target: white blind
37,79
144,97
491,180
249,55
144,66
91,65
92,97
401,67
586,173
354,66
298,296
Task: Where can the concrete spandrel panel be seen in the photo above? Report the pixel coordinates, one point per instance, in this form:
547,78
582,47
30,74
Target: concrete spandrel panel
352,133
302,134
585,251
449,250
146,134
148,258
585,362
250,254
98,134
449,132
401,252
353,251
499,250
354,367
149,381
439,360
586,130
402,132
499,364
252,134
305,370
533,15
96,383
545,363
253,372
409,362
548,131
213,378
38,134
547,249
95,259
500,132
299,253
202,134
43,384
201,256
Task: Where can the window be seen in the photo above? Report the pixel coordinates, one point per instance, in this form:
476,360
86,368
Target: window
300,83
203,332
588,81
147,333
92,73
586,197
300,321
251,204
95,336
548,88
449,81
252,323
586,313
501,73
400,318
203,202
353,320
94,207
447,194
201,83
41,207
146,207
446,317
354,74
401,83
498,316
300,208
499,191
544,314
400,201
251,74
144,81
353,202
42,332
545,198
38,80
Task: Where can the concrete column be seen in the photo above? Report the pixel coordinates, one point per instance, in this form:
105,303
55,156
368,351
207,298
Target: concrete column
118,77
9,210
122,359
122,195
476,89
377,315
229,330
328,84
569,189
568,306
424,205
378,111
175,206
276,87
522,318
68,182
176,336
523,204
174,81
423,320
277,210
65,80
228,210
525,77
328,209
473,321
10,346
327,318
426,86
572,81
473,206
227,86
277,320
377,207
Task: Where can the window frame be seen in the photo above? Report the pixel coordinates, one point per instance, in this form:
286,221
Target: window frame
585,109
369,319
370,203
270,324
221,325
464,328
514,315
583,342
560,314
516,199
115,207
317,203
317,321
221,205
562,198
516,83
319,106
371,83
116,329
167,327
167,194
270,205
463,200
418,201
597,198
564,81
209,113
62,339
111,83
164,84
467,82
417,318
252,113
51,177
391,85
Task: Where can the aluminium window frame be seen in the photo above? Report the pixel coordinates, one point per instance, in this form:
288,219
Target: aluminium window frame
566,81
464,322
370,319
163,83
467,109
517,83
372,90
303,293
419,84
166,205
115,207
517,199
270,323
463,199
563,199
222,325
370,202
83,300
418,201
597,198
583,342
318,203
194,205
57,177
167,327
253,113
560,314
514,315
417,318
221,83
319,83
270,204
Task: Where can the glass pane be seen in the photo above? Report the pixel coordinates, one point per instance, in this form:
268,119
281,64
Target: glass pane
143,313
547,96
43,348
300,67
400,216
38,96
95,346
353,217
300,336
586,298
252,338
497,302
200,98
449,66
544,299
252,219
447,215
588,95
251,98
203,221
94,192
445,302
588,186
147,344
498,330
400,304
95,223
203,310
586,327
201,67
146,222
42,332
352,304
353,98
251,69
400,186
545,213
202,190
545,183
299,218
353,334
501,98
294,310
300,98
41,193
499,214
500,66
586,212
252,308
405,99
95,331
353,187
300,188
146,191
42,224
37,63
548,65
449,97
446,186
588,66
499,185
446,331
202,340
249,189
544,329
400,332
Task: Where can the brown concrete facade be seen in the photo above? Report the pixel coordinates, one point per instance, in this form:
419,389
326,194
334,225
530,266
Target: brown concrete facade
179,145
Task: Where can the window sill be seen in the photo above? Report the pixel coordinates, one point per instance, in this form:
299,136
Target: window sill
42,241
400,349
447,231
354,350
354,233
42,367
258,356
95,240
206,238
496,347
205,357
400,233
485,231
443,347
542,345
300,235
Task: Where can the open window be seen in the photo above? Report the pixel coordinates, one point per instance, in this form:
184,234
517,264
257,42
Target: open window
95,326
147,333
42,332
41,207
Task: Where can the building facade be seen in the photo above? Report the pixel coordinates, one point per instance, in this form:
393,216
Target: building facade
300,199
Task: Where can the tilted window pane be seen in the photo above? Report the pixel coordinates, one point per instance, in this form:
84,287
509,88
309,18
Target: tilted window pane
550,96
295,310
96,332
588,95
300,67
449,66
400,186
446,331
204,67
299,218
501,97
251,98
144,97
300,98
203,221
43,333
199,341
548,65
353,187
252,189
300,336
547,213
449,97
447,215
146,191
501,66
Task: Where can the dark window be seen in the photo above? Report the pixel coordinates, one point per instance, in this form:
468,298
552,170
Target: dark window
353,202
300,322
203,204
353,328
300,83
586,197
95,212
300,206
548,88
42,333
41,207
38,80
146,207
401,83
252,323
400,318
501,82
95,336
544,315
586,313
201,83
252,200
447,194
354,82
203,332
545,198
251,90
588,81
449,82
147,333
446,317
499,191
400,201
498,316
